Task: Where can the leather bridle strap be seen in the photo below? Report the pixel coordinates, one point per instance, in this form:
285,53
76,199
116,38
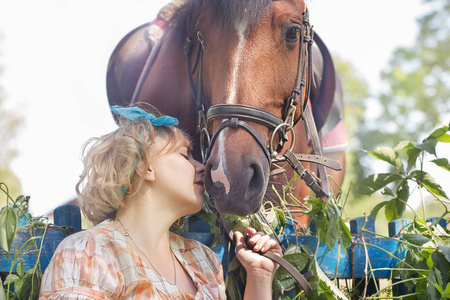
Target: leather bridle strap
245,112
317,149
235,123
310,181
302,280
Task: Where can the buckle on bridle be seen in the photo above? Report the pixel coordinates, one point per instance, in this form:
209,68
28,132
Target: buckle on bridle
201,38
284,128
291,109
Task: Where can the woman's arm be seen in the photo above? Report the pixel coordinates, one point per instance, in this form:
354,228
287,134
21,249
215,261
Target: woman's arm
260,270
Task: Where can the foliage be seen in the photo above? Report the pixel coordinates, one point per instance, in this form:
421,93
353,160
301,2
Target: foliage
20,284
419,89
356,93
9,124
331,229
407,161
425,270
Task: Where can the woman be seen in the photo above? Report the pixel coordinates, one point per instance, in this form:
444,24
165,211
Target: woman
137,181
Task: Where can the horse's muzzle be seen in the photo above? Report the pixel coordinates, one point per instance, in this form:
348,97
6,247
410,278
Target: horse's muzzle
237,187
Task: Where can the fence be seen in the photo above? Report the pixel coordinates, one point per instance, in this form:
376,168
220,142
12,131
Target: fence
383,253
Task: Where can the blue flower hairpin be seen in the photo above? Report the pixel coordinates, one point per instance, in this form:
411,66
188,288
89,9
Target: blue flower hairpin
136,114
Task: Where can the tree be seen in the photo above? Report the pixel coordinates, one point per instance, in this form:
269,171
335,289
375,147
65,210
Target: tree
9,126
356,93
419,84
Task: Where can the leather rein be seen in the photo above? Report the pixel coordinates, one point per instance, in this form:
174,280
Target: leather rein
238,116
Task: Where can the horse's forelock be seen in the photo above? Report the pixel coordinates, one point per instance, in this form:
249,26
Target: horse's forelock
228,12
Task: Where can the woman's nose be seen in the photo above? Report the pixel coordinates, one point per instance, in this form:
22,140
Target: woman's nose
199,167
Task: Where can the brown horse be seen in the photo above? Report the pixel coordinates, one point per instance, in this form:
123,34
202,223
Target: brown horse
248,55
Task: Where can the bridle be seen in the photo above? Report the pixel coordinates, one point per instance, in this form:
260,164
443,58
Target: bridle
238,115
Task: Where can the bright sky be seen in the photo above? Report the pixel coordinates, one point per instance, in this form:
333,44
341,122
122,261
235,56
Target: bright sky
54,55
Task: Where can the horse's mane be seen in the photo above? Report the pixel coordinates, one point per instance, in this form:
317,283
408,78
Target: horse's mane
227,12
224,12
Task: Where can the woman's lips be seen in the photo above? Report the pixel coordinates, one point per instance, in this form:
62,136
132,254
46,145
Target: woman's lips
201,184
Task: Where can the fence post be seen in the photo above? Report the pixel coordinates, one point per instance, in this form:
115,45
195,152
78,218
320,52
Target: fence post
395,227
433,220
68,215
356,226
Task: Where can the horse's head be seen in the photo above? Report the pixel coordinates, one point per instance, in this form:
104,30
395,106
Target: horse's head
250,57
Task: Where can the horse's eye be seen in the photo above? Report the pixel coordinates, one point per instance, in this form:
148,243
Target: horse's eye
293,34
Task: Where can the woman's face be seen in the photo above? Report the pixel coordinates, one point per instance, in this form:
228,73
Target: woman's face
179,178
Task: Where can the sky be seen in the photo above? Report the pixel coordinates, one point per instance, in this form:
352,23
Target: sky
54,55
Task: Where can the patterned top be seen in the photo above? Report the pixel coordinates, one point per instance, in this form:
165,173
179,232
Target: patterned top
99,264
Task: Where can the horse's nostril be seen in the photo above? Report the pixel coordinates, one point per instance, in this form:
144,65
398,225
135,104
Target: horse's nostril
255,180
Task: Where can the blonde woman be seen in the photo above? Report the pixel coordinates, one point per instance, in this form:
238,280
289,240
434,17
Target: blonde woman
137,181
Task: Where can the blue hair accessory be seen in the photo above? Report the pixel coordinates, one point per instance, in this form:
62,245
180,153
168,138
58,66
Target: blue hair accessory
136,114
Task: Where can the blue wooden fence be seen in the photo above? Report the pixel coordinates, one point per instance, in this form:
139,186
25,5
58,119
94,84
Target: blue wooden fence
350,265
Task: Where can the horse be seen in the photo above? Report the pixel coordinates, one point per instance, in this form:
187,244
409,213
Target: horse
206,61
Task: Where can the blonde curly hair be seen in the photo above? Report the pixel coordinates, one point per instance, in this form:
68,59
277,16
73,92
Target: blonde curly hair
110,162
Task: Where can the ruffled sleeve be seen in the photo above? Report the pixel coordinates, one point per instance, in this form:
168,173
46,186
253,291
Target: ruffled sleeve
82,268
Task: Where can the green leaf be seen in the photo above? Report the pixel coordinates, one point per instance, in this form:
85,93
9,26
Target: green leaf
31,285
430,184
281,217
11,278
428,146
345,238
388,155
377,208
442,268
8,228
446,252
416,239
394,209
446,292
2,291
445,138
328,282
282,279
403,191
442,162
388,192
432,290
331,235
437,133
20,269
375,182
407,150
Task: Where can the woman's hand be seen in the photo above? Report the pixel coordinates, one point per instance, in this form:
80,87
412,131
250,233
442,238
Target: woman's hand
254,263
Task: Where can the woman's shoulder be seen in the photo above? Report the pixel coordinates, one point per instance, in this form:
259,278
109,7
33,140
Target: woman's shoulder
101,236
85,264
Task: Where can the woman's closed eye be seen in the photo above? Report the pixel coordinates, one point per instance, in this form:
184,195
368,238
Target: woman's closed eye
185,154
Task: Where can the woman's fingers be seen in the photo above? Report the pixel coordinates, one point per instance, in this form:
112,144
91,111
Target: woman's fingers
260,241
